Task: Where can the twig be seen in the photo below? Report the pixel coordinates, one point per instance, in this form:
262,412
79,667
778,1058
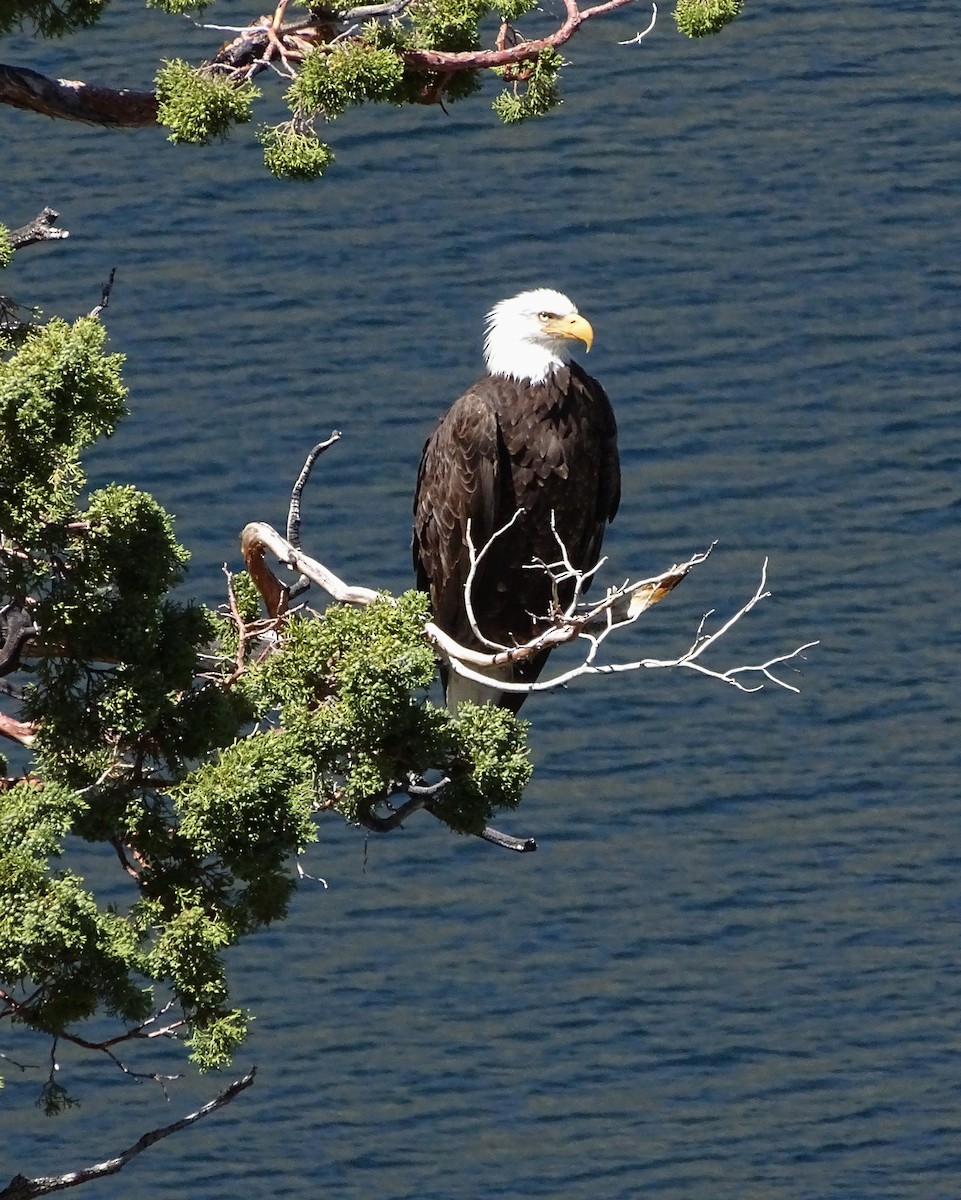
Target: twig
366,12
104,294
476,557
638,38
22,1188
507,842
293,512
21,1009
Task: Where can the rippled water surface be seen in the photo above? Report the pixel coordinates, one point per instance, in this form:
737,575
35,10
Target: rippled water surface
731,969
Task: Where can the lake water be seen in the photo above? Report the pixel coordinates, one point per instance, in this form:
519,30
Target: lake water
732,967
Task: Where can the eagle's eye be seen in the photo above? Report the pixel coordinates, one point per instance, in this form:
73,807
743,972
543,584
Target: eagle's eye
546,316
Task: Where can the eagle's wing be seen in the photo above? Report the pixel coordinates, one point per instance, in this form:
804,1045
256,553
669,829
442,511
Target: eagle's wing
549,449
461,477
608,495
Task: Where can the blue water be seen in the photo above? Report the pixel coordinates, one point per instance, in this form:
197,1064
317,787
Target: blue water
732,967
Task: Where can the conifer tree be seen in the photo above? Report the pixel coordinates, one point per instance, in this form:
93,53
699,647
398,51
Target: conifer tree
333,58
199,749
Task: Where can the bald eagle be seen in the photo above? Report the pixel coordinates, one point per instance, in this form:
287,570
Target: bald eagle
535,434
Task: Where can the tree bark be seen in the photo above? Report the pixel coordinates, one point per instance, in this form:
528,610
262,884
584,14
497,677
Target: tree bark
71,100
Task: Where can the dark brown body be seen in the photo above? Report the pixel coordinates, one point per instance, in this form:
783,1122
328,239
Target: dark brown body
504,446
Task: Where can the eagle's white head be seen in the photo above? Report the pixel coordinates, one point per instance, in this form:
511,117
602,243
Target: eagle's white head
530,335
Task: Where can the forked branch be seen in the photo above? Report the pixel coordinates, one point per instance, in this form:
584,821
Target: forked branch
271,43
591,622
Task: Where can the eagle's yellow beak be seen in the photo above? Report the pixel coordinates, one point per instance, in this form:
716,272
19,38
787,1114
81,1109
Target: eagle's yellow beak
574,326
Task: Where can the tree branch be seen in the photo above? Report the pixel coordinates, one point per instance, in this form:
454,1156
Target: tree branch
594,623
40,229
71,100
266,42
471,60
620,606
17,731
258,537
22,1188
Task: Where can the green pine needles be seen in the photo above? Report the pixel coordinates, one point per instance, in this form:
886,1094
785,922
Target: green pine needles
333,72
294,151
6,248
350,74
428,52
699,18
200,770
49,18
200,107
535,89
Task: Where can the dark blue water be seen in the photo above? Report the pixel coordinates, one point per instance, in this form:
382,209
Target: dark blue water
732,967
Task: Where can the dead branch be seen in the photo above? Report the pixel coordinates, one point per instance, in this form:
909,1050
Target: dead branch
421,795
105,291
22,1188
367,12
40,229
594,622
639,37
23,732
146,1031
507,842
249,633
258,538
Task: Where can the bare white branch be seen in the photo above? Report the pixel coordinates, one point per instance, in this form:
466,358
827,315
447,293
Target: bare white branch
316,572
639,37
592,622
610,614
476,558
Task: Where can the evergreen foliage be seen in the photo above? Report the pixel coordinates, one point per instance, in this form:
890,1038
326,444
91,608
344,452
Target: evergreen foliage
512,10
335,66
446,24
699,18
199,769
540,92
290,153
350,74
49,18
367,67
200,107
6,248
179,8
